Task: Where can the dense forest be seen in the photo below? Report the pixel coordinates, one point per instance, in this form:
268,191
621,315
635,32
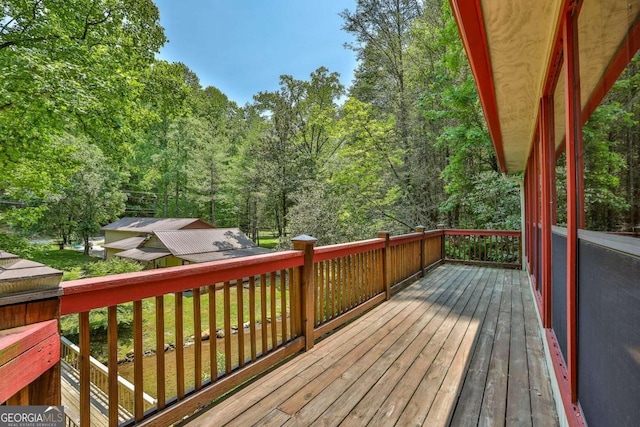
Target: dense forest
94,127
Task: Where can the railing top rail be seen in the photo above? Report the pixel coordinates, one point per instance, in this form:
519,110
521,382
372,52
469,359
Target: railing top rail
411,237
457,232
87,294
324,253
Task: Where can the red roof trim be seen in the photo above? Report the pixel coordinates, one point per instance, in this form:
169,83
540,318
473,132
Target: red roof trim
629,47
468,16
625,53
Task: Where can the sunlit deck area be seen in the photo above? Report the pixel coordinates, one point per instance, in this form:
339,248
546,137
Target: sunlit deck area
460,346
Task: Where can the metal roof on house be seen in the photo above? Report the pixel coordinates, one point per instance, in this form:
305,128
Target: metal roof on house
125,244
144,254
183,242
149,225
220,255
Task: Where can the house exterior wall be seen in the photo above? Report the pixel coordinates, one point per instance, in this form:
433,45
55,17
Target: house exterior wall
111,236
155,243
110,253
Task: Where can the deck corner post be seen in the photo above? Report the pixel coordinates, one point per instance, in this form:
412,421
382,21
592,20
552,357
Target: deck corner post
386,254
29,333
307,288
441,227
422,229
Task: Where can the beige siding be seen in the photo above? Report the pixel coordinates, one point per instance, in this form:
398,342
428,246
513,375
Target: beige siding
173,261
111,236
110,253
154,242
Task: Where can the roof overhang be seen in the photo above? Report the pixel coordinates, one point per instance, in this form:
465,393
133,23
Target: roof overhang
143,254
514,49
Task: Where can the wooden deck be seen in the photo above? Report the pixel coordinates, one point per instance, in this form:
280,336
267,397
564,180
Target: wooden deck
459,347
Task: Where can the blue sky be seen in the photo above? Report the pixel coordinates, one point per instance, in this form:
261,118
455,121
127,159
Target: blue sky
243,46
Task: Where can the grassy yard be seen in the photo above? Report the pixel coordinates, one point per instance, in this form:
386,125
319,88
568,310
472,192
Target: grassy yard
70,262
268,239
125,338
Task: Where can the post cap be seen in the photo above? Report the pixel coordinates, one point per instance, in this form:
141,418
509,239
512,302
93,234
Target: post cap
303,238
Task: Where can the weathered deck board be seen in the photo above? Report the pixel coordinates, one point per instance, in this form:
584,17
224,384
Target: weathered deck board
470,400
459,347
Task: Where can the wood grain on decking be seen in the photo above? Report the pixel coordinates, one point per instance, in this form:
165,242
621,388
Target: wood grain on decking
459,347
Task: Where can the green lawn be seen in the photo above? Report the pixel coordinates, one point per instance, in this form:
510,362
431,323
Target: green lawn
268,239
125,338
70,262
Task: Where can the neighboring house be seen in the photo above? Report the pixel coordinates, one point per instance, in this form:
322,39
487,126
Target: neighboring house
128,233
167,247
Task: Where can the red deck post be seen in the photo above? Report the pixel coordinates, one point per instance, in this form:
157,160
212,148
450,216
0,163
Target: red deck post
307,288
29,333
422,229
386,253
575,195
548,164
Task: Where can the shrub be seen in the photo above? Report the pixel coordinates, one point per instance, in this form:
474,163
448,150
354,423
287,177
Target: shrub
115,265
21,246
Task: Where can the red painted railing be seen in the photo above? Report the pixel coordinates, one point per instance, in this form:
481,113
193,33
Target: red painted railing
501,248
230,320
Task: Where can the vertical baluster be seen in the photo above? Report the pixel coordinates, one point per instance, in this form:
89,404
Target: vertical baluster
138,376
197,338
366,278
283,304
160,371
240,318
227,327
213,332
341,285
356,281
349,285
263,312
360,273
85,381
293,305
377,266
321,297
112,344
497,247
371,275
252,316
332,272
274,324
361,281
179,344
453,248
344,270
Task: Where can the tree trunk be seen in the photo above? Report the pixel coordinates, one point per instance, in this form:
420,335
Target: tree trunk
85,237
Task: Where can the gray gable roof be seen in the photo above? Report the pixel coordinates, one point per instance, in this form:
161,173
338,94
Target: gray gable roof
183,242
